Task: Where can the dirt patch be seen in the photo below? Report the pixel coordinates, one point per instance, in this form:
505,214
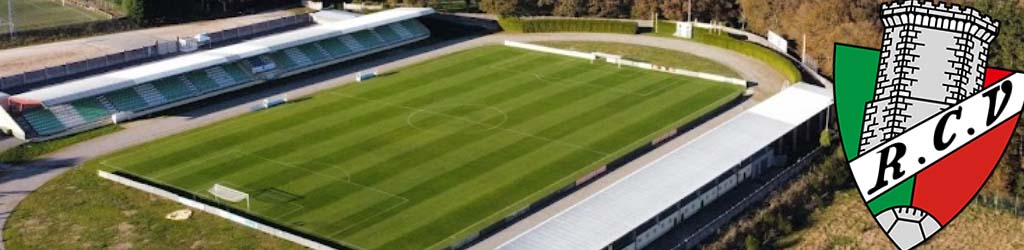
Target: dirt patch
129,213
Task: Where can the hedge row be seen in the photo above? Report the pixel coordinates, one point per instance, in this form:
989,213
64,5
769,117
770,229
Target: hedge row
766,55
567,25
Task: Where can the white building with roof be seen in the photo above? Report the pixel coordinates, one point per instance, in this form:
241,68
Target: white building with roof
634,211
95,101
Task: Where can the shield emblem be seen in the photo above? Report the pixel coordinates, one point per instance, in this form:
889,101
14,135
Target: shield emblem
922,121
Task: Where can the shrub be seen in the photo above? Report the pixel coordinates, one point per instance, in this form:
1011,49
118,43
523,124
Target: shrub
567,25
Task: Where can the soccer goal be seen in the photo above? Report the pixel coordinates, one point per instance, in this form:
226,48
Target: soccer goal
222,192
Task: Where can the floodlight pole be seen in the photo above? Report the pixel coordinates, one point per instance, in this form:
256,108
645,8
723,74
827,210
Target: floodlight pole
689,11
10,17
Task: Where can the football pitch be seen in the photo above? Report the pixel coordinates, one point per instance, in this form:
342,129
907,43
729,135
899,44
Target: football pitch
37,14
427,155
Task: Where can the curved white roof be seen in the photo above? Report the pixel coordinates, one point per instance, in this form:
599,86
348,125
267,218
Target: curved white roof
99,84
619,208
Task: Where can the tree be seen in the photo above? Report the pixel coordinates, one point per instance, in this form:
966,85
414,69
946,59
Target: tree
751,243
608,8
716,10
825,138
501,8
133,9
568,8
673,9
642,9
546,3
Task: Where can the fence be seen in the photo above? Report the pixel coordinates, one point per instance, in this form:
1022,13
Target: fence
258,29
570,53
711,228
620,61
160,49
224,211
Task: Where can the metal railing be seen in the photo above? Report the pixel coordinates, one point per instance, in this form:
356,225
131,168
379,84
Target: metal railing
29,80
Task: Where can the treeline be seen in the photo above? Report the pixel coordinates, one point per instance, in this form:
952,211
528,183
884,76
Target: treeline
165,11
704,10
856,22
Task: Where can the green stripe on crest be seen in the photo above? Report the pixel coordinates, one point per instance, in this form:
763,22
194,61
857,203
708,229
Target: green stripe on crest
900,195
856,70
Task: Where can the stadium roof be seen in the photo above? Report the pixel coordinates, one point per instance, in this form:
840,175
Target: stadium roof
115,80
614,211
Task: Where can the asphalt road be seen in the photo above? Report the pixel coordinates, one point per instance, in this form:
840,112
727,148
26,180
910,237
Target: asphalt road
22,59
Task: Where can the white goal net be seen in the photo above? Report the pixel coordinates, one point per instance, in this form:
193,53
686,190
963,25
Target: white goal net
229,194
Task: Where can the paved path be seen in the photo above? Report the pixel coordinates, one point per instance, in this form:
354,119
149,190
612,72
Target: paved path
18,182
18,60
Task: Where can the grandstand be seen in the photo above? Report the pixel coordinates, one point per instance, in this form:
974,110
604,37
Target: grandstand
668,192
92,102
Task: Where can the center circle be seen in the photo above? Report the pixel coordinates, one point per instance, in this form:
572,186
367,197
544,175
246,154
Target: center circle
457,118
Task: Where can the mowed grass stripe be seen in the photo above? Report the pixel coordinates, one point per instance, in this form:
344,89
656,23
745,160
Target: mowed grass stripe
536,107
293,180
449,176
331,109
340,128
422,156
587,116
281,119
485,201
410,137
328,157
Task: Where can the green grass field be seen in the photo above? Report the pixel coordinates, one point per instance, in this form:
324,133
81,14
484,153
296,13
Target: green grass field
430,154
37,14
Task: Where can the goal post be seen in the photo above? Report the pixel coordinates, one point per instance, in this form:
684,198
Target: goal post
222,192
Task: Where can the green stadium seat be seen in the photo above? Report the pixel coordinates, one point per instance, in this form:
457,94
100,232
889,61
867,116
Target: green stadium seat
282,60
367,39
351,42
236,72
416,27
389,35
44,122
126,100
172,89
313,53
335,47
90,109
202,81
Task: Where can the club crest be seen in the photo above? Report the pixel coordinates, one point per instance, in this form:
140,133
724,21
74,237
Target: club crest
924,121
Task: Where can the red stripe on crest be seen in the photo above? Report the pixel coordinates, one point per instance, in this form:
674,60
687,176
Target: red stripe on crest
944,188
994,75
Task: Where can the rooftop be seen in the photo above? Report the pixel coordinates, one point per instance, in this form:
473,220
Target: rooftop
616,210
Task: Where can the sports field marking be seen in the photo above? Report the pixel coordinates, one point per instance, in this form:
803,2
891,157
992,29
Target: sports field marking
37,14
474,122
537,131
72,8
111,163
254,200
573,83
318,173
563,180
402,200
348,177
366,219
408,119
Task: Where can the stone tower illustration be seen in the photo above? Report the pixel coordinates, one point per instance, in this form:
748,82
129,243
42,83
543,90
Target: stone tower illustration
933,57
